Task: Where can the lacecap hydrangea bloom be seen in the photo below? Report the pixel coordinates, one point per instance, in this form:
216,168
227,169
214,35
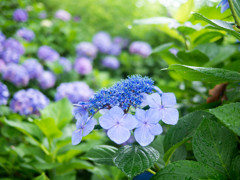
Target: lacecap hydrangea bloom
16,74
26,34
46,80
74,91
102,40
63,15
83,66
110,62
28,101
20,15
118,120
4,94
33,67
47,53
141,48
86,49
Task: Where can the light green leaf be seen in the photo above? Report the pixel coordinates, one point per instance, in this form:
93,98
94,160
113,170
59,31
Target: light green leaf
162,47
134,159
41,177
184,12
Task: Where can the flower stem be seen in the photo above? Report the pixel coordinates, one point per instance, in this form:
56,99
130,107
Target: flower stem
234,13
151,171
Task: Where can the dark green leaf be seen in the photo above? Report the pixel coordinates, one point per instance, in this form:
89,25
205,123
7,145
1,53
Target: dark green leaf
133,160
183,170
102,154
41,177
158,145
214,75
208,37
229,115
210,49
194,58
214,145
235,168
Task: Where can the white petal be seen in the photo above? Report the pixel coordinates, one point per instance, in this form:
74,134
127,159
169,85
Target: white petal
169,99
129,121
155,129
170,116
143,136
119,134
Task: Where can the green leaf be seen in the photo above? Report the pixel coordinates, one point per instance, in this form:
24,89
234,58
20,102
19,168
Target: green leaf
102,154
186,30
233,66
60,111
236,5
214,145
218,24
41,177
211,75
229,115
235,168
55,67
48,127
209,49
162,47
193,58
183,170
133,160
158,145
208,37
184,11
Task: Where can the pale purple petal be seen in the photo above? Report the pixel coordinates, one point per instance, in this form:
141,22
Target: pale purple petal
76,136
169,99
143,136
81,119
153,116
140,115
154,100
144,99
107,121
155,129
170,116
89,126
116,112
103,111
119,134
129,121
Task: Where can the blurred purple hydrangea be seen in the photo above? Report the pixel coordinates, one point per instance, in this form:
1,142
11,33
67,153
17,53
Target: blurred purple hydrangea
74,91
42,15
2,37
4,94
46,53
122,42
102,41
141,48
33,67
224,5
10,56
14,45
26,34
20,15
111,62
63,15
66,64
2,66
28,101
16,74
86,49
83,66
115,50
46,80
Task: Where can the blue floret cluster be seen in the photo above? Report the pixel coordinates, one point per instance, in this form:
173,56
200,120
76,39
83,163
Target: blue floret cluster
122,111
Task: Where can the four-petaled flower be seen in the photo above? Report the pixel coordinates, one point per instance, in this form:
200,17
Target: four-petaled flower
118,124
147,127
164,105
84,126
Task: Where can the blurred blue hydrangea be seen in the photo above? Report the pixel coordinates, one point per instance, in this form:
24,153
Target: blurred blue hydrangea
14,45
141,48
63,15
20,15
33,67
143,176
74,91
46,80
115,49
26,34
16,74
83,66
2,37
2,66
46,53
65,63
122,42
102,40
86,49
224,5
110,62
4,94
28,101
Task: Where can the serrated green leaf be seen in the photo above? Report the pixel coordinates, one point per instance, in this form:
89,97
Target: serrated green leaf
211,75
102,154
183,169
229,115
133,160
214,145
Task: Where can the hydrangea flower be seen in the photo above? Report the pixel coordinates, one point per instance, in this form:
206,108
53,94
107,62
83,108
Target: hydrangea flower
224,4
2,65
33,67
165,106
28,101
16,74
20,15
141,48
118,124
147,127
83,66
66,64
86,49
26,34
2,37
63,15
4,94
74,91
46,53
42,15
102,41
46,80
84,126
122,42
14,45
10,56
115,50
111,62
